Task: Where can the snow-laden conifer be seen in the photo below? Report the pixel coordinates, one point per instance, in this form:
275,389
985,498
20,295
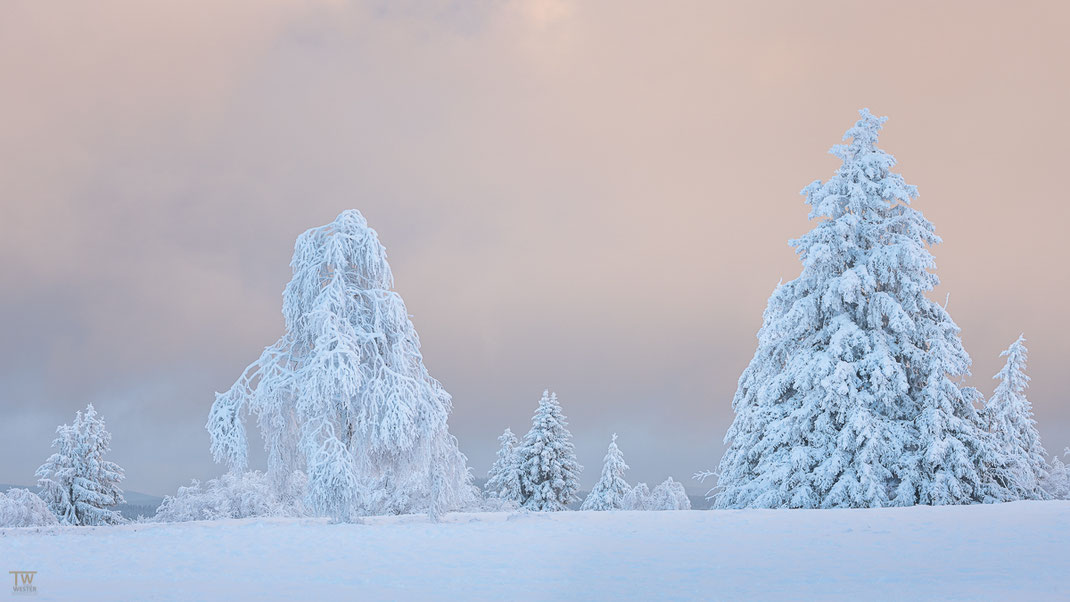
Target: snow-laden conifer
503,479
1010,420
344,395
549,472
669,495
79,486
610,490
854,396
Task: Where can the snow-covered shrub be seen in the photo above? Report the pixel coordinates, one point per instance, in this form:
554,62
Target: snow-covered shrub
670,495
855,394
637,498
344,395
76,482
610,490
549,473
1009,415
23,508
496,504
243,495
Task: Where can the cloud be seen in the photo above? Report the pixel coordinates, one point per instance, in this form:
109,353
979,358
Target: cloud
547,12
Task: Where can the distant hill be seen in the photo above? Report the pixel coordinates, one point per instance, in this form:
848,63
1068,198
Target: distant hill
137,503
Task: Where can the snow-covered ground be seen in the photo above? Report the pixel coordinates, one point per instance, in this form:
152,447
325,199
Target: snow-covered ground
1009,551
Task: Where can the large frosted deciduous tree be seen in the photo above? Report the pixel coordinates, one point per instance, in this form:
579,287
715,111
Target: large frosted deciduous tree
610,490
344,395
855,394
503,479
1010,420
79,486
549,473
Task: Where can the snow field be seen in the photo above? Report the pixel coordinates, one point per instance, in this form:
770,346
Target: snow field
1003,551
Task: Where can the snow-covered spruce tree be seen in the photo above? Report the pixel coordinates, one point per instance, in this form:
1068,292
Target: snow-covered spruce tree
609,492
1010,420
77,483
854,396
669,495
549,472
503,479
344,395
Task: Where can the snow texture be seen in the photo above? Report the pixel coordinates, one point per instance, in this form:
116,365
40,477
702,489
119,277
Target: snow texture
1014,551
611,489
549,473
79,486
1010,419
855,394
344,396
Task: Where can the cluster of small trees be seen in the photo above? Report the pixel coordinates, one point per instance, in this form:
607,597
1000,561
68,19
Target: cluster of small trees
541,473
855,396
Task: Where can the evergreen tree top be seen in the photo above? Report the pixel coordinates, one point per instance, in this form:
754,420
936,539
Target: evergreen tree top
614,460
549,411
863,135
1012,376
864,180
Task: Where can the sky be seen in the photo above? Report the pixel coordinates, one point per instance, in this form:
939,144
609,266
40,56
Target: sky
594,197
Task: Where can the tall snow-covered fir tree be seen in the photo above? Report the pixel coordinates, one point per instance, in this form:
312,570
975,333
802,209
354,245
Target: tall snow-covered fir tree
79,486
609,492
854,396
503,479
1010,420
344,394
549,472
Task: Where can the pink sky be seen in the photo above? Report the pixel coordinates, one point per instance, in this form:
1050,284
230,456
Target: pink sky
594,197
